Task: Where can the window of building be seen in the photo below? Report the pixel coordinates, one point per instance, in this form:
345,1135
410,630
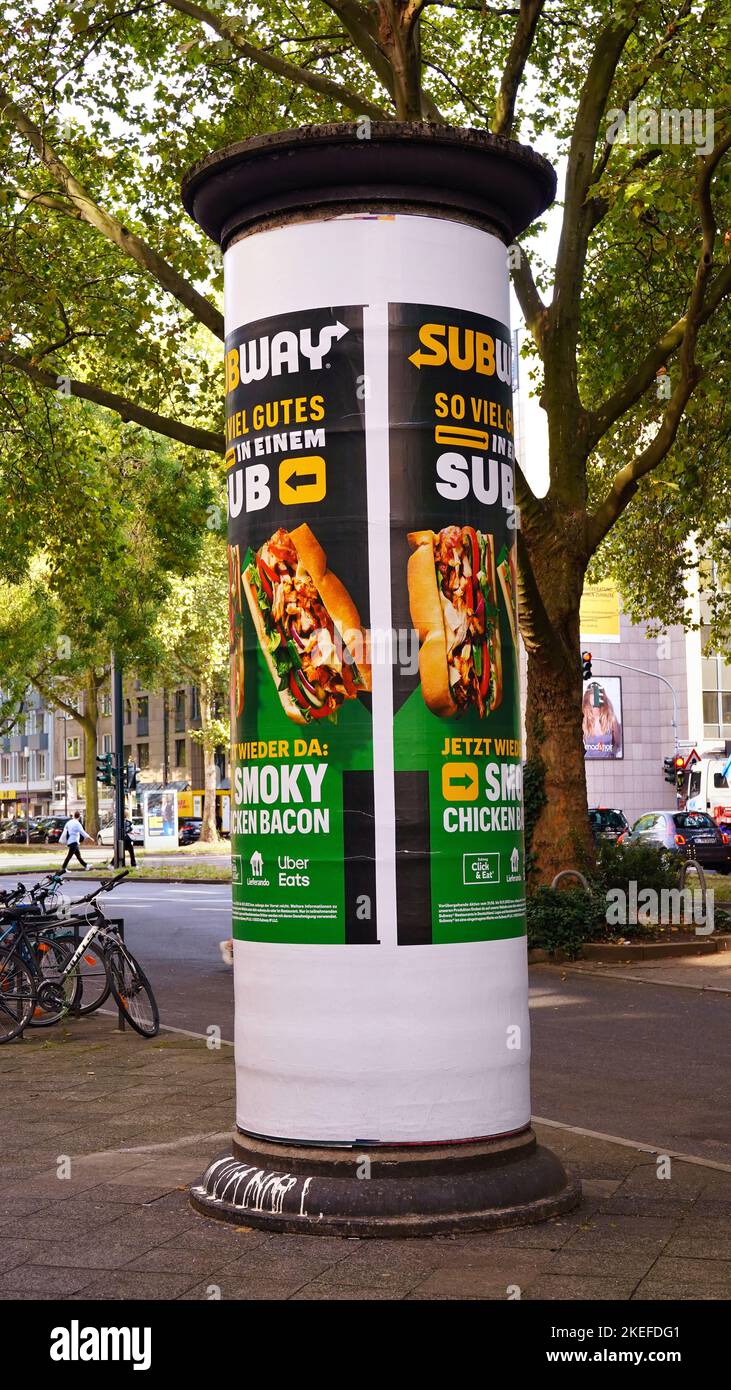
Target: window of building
106,743
716,676
143,755
128,752
5,768
72,747
180,712
105,705
180,752
143,715
41,767
128,711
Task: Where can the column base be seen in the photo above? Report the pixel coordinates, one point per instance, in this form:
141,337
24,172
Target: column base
414,1190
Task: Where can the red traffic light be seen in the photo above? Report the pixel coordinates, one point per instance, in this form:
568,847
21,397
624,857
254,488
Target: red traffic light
679,761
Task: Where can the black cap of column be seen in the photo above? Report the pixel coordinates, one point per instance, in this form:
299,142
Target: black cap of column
440,171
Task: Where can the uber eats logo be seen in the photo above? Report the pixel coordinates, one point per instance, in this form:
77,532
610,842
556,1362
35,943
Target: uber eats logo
77,1343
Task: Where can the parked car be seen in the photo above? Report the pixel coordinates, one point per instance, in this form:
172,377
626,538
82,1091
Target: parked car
607,823
49,829
189,830
38,833
14,832
692,834
137,834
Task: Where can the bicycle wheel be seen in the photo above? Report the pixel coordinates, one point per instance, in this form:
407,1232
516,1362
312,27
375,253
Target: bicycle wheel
17,995
56,994
132,992
94,975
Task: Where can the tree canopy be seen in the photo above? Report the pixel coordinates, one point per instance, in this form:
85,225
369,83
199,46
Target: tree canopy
109,287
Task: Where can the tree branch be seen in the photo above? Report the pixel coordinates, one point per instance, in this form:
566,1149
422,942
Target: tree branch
575,228
634,387
534,310
525,29
651,65
83,206
127,410
627,480
292,72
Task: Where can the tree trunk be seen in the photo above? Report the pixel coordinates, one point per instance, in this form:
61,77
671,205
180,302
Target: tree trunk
561,837
209,831
89,724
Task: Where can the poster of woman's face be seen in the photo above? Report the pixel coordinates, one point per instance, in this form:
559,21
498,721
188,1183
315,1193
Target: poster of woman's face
601,711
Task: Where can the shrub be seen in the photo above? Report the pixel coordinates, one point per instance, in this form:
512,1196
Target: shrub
563,919
646,865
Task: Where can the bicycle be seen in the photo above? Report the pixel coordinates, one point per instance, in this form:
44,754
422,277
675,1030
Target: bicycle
52,904
30,929
22,990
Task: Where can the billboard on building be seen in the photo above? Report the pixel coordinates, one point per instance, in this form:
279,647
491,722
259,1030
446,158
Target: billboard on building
602,718
599,613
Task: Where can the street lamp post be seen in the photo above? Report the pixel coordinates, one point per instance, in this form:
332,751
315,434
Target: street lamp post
26,755
65,718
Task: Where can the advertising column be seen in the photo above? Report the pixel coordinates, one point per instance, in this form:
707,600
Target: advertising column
376,787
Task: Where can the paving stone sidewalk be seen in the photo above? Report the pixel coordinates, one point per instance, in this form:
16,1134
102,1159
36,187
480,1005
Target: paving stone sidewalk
139,1120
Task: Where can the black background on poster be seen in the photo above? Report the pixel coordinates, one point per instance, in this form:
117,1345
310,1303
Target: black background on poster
415,503
339,522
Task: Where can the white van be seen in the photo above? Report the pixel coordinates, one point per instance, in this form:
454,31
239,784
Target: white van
708,787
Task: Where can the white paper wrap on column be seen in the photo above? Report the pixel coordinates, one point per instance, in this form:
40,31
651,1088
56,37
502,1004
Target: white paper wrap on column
412,1024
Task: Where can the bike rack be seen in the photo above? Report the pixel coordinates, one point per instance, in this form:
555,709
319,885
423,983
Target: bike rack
572,873
692,864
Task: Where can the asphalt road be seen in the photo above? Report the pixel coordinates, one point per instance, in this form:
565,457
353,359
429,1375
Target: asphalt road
639,1061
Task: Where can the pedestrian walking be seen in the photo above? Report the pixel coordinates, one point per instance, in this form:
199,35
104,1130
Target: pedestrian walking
71,835
128,845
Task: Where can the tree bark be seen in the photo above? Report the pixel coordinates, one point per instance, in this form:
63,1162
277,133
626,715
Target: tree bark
209,830
561,836
88,721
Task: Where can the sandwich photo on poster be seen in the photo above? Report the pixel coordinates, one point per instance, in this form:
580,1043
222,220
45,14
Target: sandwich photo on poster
601,717
308,626
302,808
453,597
460,871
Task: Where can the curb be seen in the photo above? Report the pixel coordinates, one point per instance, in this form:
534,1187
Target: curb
106,878
611,953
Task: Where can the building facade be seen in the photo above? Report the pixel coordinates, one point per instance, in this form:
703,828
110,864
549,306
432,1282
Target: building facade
157,737
27,762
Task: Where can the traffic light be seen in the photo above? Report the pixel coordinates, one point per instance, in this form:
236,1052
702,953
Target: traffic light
586,666
104,770
130,776
668,769
679,767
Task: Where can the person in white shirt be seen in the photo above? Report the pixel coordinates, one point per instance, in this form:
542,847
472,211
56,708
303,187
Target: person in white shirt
72,833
